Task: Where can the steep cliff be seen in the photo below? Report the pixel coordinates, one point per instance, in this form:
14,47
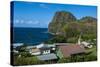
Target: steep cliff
59,20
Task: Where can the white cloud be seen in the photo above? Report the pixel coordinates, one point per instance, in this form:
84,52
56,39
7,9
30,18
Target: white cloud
33,22
36,22
17,21
30,22
22,21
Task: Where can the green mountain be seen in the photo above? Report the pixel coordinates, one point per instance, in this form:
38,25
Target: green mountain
66,26
88,19
59,20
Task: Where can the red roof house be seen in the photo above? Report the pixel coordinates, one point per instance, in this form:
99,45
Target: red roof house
71,49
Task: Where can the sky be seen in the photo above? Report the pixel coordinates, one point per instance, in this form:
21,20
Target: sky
39,15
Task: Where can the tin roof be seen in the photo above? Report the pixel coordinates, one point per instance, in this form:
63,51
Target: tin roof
45,48
47,57
68,50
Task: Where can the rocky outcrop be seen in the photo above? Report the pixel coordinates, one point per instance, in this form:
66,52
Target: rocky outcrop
59,20
88,19
62,19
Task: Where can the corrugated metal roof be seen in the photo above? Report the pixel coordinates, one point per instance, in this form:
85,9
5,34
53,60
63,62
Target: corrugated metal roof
71,49
47,57
49,45
58,44
45,48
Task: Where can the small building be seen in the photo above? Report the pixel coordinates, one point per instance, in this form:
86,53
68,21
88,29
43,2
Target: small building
86,44
35,46
47,57
69,50
52,46
41,49
45,50
34,51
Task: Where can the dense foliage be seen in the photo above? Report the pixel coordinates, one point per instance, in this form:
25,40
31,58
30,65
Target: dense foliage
69,31
26,60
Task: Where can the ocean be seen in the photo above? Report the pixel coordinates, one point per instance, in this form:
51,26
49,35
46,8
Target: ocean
30,36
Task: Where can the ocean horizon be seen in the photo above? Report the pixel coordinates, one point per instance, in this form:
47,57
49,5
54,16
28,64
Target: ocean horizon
30,36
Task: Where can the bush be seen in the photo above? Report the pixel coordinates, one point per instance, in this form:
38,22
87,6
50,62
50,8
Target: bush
64,60
72,40
27,61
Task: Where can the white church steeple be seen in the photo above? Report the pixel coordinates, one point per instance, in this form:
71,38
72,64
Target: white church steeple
79,40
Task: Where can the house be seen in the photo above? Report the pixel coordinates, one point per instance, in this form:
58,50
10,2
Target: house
84,43
47,57
52,46
34,51
41,49
48,48
69,50
35,46
45,50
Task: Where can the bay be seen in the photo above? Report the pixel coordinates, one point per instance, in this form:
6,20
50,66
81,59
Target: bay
31,36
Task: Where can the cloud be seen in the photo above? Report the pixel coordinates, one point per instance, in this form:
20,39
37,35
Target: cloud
28,22
22,21
16,21
33,22
36,22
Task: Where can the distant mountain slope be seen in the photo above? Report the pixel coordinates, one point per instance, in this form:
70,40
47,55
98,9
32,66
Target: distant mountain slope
59,20
62,18
66,25
88,19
